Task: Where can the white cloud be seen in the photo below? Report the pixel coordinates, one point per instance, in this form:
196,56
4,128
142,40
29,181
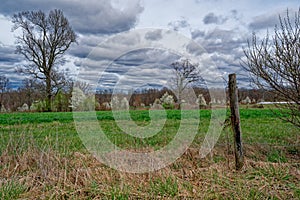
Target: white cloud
93,16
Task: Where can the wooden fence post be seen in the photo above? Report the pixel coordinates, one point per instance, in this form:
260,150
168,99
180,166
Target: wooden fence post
235,122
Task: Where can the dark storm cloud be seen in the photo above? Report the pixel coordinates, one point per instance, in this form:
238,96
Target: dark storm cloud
138,67
154,35
195,48
86,43
8,63
224,41
80,52
224,47
7,55
178,24
269,20
264,22
197,33
93,20
211,18
94,16
147,56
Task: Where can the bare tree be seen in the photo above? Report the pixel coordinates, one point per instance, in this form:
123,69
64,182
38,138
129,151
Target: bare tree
3,88
85,87
186,73
274,65
43,42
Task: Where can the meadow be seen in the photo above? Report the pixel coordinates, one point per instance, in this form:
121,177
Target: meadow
42,157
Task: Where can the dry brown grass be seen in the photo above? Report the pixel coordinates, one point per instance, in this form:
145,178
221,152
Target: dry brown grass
47,174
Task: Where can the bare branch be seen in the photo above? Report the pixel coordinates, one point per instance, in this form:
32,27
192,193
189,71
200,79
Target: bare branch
274,64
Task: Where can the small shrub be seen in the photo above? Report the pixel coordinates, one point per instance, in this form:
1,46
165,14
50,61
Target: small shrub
167,101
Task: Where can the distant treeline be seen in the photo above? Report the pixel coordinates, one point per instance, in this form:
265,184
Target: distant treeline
29,99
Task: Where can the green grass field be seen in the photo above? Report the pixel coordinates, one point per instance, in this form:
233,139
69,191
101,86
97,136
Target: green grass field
42,156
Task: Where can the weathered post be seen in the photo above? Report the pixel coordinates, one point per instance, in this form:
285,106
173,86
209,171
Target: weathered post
235,122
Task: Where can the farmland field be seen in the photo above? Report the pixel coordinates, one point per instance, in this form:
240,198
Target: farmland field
42,157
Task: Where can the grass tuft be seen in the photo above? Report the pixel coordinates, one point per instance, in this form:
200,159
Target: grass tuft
164,188
11,190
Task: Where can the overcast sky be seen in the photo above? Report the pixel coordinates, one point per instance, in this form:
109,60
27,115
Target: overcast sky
214,30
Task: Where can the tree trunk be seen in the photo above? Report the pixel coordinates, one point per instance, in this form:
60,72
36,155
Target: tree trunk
180,90
179,99
49,94
235,122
